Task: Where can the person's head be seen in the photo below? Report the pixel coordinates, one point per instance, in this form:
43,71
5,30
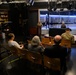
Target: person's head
68,30
35,40
63,22
11,36
57,39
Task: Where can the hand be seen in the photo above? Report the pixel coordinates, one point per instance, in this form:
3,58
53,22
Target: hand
22,45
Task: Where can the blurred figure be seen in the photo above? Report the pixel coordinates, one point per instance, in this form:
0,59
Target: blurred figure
36,45
39,24
68,36
11,41
57,51
63,25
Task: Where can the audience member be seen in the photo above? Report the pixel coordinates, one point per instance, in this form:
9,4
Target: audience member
11,41
35,45
68,36
63,25
57,51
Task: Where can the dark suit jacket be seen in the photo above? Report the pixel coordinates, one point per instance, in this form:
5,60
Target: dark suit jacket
57,51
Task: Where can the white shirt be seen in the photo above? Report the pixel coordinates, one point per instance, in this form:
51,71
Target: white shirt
14,43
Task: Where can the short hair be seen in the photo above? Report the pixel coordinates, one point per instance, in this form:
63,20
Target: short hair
10,35
35,40
63,22
68,29
57,39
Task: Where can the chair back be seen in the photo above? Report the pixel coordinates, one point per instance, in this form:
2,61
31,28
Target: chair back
34,57
52,41
66,43
45,41
52,63
15,51
24,53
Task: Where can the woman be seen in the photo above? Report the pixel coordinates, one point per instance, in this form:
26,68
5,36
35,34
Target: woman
11,41
36,45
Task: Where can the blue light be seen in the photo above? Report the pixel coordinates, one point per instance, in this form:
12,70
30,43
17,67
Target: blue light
58,16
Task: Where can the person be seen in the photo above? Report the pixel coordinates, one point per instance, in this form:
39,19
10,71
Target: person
57,51
39,24
36,45
68,36
63,25
11,41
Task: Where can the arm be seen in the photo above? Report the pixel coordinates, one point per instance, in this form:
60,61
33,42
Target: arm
17,45
73,41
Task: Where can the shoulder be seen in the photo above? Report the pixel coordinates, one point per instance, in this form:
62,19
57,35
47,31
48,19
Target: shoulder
72,35
63,48
47,48
39,48
63,33
14,42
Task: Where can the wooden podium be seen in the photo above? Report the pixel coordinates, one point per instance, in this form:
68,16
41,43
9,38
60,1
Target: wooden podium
39,30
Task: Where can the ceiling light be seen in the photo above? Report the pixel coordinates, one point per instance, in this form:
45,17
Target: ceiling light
59,2
58,9
65,9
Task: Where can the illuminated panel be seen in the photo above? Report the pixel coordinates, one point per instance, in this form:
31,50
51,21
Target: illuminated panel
70,19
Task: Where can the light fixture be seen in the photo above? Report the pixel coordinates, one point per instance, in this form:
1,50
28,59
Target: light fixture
58,9
59,1
65,9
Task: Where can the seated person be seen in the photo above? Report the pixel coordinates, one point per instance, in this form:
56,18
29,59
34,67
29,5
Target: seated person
57,51
63,25
68,36
35,45
11,41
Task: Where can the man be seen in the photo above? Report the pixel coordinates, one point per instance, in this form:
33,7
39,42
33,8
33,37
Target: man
57,51
67,35
63,25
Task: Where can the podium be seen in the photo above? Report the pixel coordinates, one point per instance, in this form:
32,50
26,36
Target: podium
39,31
56,31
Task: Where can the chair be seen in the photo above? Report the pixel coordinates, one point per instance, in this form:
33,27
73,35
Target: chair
15,51
45,41
24,53
4,50
34,60
52,41
66,43
34,57
52,63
